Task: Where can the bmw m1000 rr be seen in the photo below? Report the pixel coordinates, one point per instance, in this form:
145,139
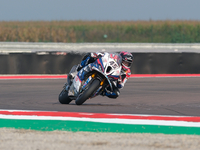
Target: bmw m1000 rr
103,75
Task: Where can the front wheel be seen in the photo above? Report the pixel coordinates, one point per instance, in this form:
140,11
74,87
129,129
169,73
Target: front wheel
87,93
63,97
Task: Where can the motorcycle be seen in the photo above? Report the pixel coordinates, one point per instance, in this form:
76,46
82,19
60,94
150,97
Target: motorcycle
102,76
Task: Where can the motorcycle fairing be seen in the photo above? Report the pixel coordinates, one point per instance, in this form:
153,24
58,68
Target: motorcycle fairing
108,66
74,89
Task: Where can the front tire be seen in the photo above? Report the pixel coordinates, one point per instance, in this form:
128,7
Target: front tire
87,93
63,97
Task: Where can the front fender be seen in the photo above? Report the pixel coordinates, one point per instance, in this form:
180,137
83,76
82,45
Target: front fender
99,71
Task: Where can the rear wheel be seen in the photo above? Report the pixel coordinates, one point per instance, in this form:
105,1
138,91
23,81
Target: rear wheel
87,93
63,97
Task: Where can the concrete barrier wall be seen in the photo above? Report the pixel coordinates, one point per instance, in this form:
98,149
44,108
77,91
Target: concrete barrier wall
166,63
32,63
53,63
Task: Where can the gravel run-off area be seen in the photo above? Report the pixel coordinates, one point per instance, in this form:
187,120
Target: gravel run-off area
38,140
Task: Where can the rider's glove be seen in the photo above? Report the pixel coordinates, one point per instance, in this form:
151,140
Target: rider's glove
79,67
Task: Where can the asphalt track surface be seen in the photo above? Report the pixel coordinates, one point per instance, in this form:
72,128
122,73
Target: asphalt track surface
178,96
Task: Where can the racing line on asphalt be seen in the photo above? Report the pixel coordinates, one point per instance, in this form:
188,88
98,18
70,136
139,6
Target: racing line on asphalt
99,122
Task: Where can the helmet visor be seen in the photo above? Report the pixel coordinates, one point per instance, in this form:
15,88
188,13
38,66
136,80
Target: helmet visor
126,64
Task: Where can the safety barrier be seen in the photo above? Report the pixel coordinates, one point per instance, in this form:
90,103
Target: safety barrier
61,63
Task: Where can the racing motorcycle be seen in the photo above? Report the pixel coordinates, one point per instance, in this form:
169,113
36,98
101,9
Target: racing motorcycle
103,76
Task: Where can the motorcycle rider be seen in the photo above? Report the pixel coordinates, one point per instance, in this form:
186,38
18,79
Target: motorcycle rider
126,61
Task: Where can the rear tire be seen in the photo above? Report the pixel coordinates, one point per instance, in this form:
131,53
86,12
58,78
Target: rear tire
87,93
63,97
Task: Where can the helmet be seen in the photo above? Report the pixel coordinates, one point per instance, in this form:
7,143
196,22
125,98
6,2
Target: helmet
127,59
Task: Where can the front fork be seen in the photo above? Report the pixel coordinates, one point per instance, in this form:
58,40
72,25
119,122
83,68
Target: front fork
100,87
76,85
92,77
88,80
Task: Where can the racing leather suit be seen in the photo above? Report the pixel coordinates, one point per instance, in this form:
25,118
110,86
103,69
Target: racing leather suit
84,68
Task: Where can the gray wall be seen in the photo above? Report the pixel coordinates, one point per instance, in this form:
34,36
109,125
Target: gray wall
144,63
